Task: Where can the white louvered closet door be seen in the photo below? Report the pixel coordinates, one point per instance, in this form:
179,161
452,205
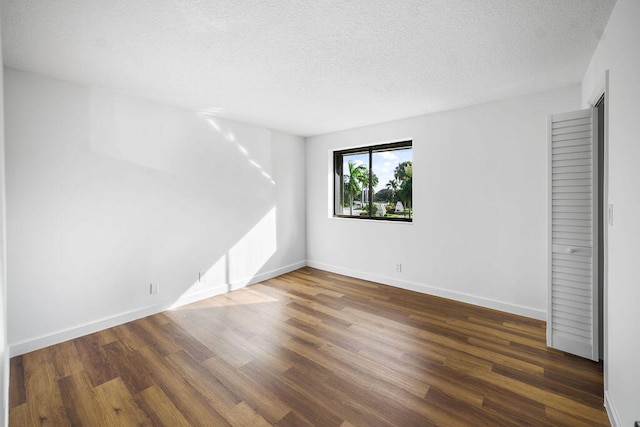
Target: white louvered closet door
572,309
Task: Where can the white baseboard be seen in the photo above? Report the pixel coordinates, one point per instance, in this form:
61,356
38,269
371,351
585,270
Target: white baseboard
191,297
432,290
107,322
260,277
614,418
43,341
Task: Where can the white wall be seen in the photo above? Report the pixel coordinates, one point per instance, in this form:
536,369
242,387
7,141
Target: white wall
480,228
107,194
4,354
619,52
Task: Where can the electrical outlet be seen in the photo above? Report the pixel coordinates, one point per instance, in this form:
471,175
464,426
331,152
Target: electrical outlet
154,288
201,277
398,267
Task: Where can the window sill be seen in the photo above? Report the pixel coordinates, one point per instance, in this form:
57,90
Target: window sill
381,221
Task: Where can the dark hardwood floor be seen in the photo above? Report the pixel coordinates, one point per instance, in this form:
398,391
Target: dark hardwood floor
310,348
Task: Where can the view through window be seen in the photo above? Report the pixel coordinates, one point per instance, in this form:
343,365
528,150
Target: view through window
374,182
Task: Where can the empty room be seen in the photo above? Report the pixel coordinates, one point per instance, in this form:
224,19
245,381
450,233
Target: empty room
208,214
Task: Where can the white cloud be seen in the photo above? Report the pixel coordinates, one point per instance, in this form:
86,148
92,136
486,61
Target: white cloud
388,155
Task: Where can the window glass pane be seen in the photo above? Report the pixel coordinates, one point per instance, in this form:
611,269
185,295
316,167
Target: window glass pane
393,183
374,182
355,179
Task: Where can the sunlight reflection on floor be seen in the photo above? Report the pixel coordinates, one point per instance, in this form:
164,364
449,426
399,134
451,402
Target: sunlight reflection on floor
238,297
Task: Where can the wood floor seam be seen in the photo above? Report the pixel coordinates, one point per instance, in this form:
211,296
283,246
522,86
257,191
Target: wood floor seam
310,348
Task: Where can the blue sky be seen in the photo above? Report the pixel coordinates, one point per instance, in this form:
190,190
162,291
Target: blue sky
384,163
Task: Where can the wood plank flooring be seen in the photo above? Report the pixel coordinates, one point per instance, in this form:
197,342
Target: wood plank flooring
310,348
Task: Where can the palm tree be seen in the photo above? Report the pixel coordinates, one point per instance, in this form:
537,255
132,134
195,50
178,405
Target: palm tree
374,180
393,186
403,171
365,183
353,180
404,174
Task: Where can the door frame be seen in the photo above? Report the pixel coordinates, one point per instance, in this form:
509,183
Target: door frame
602,91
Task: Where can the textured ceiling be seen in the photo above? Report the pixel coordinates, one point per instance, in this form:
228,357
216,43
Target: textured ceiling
308,67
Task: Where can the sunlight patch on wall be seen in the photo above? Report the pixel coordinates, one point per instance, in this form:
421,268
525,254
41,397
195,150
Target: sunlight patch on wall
213,124
253,250
229,136
238,267
216,274
243,150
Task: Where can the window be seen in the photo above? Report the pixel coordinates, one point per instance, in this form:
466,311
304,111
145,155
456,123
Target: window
374,182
